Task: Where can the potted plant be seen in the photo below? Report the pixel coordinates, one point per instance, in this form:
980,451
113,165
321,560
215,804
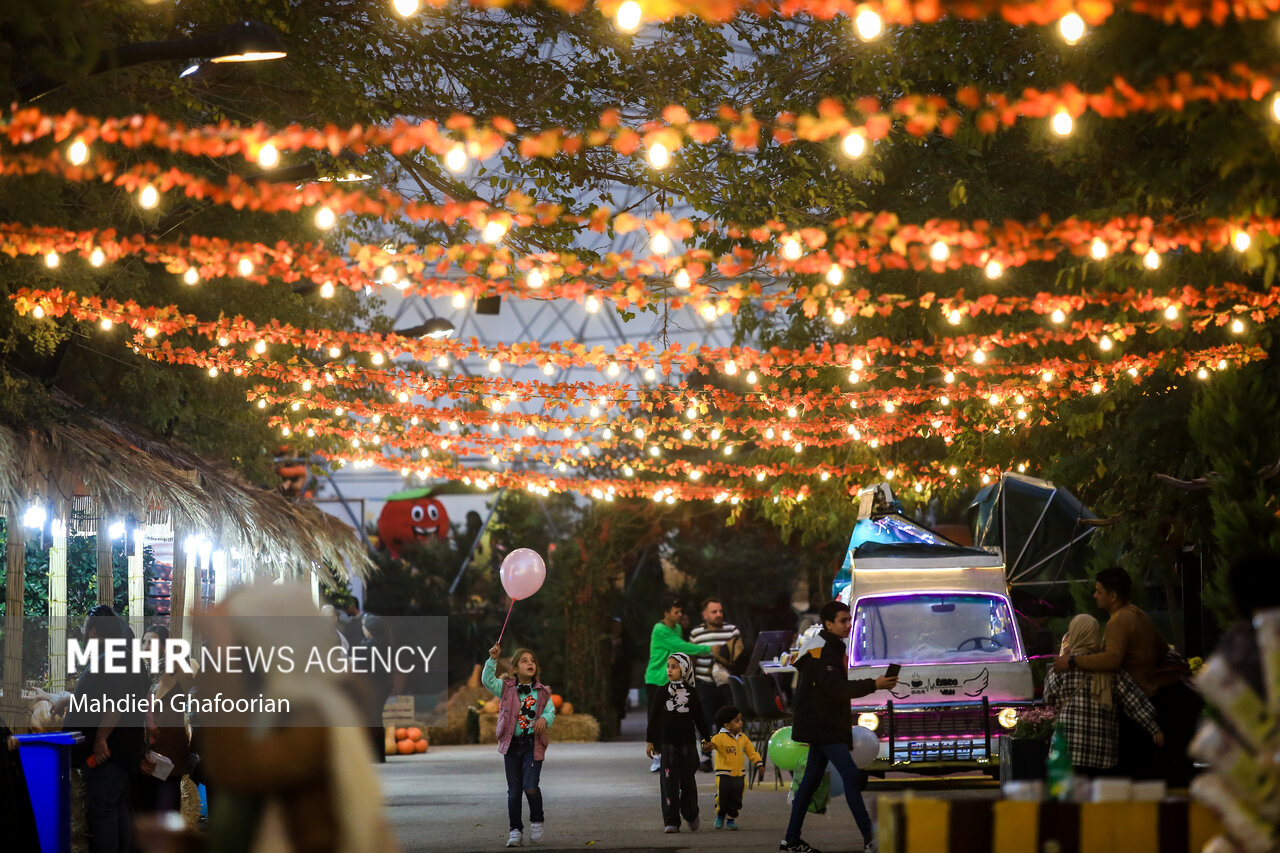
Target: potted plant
1024,752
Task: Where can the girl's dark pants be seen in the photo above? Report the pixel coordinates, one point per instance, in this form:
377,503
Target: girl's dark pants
523,773
679,784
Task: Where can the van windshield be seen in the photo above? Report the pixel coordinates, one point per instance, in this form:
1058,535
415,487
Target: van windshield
932,628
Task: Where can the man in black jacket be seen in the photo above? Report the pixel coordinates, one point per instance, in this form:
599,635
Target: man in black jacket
823,720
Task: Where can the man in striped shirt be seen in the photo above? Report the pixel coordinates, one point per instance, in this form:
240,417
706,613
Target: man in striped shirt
710,674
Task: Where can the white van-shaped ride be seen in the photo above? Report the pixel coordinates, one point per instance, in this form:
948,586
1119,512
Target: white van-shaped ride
942,612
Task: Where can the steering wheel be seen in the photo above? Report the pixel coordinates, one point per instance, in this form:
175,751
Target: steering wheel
978,643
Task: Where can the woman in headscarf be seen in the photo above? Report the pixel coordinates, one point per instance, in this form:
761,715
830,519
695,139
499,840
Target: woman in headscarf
1086,703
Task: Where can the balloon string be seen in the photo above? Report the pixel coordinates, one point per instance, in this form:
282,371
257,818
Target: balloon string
505,621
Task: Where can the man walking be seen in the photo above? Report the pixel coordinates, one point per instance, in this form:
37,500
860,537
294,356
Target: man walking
1133,644
710,675
665,640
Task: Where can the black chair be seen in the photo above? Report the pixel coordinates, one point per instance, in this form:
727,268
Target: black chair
766,696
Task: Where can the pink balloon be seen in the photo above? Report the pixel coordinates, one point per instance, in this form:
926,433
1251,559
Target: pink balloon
522,573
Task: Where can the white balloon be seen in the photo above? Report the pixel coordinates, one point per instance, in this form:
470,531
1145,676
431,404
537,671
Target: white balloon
866,746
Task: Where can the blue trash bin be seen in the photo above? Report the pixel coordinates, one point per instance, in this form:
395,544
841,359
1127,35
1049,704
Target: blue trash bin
46,764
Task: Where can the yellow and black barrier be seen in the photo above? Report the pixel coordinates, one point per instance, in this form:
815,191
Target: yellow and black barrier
923,825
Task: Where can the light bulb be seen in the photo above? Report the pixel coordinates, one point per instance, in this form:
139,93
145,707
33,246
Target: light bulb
377,359
791,249
245,266
708,312
534,279
149,331
268,156
651,375
1062,123
493,231
1071,26
52,260
979,356
1105,344
1171,312
37,312
1096,388
868,24
835,275
949,378
335,352
77,153
592,304
325,218
455,159
731,367
1151,260
1098,249
459,300
326,290
1237,326
106,324
939,251
260,347
629,15
148,197
1241,241
1202,373
994,269
405,7
390,275
954,318
1275,107
854,144
838,317
659,156
191,277
888,406
213,371
1058,316
494,365
681,279
660,244
1047,377
97,257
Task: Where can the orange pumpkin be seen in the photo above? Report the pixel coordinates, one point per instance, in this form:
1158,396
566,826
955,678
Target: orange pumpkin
405,747
566,710
419,746
415,734
557,700
401,734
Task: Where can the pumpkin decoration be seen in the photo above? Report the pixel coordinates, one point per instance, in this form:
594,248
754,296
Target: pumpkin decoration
401,734
414,733
419,746
491,707
566,710
557,700
405,747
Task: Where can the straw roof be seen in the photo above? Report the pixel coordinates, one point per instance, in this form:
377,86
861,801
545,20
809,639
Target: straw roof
130,473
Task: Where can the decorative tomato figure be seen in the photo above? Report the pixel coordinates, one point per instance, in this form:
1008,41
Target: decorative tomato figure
411,519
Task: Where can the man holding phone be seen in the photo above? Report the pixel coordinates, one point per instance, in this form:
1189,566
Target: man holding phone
824,720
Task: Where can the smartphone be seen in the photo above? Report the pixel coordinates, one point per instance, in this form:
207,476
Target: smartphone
893,670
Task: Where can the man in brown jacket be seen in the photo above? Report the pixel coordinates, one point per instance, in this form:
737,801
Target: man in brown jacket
1133,644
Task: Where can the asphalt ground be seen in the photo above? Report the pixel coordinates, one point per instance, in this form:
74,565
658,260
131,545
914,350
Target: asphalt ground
601,796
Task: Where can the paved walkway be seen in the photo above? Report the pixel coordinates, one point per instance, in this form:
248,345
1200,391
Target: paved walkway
599,796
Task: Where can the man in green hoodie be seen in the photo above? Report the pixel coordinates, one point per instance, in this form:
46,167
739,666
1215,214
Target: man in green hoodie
667,639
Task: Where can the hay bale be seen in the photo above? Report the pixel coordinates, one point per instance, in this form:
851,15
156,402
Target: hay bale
577,728
454,732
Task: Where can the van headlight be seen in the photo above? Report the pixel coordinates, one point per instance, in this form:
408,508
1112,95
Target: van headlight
869,721
1008,717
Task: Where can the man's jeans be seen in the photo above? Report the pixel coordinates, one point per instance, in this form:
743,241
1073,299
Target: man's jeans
106,795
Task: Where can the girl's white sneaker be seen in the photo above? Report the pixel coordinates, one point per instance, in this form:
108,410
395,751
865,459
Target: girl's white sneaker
535,832
515,838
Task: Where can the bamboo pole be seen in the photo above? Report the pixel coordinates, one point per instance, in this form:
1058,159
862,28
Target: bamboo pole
137,580
58,599
190,590
15,589
106,578
178,583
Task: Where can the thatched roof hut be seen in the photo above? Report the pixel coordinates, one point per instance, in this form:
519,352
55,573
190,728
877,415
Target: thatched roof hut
131,473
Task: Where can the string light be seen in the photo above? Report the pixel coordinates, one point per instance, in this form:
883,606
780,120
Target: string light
994,269
1241,241
708,313
629,16
97,257
493,231
1098,249
1062,123
939,251
1105,344
1171,312
681,279
405,7
954,317
106,324
245,267
1058,316
326,290
148,197
1151,260
268,156
854,145
455,159
191,277
592,304
261,346
1237,326
835,275
325,218
494,365
660,244
1275,107
37,312
335,352
459,300
534,279
1072,28
979,356
949,378
377,359
651,375
837,316
791,249
1202,373
52,260
867,24
77,153
659,156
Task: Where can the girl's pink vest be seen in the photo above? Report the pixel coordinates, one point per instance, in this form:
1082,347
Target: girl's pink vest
507,715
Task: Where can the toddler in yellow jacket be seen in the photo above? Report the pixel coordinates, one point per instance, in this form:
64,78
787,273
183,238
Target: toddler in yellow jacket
729,746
